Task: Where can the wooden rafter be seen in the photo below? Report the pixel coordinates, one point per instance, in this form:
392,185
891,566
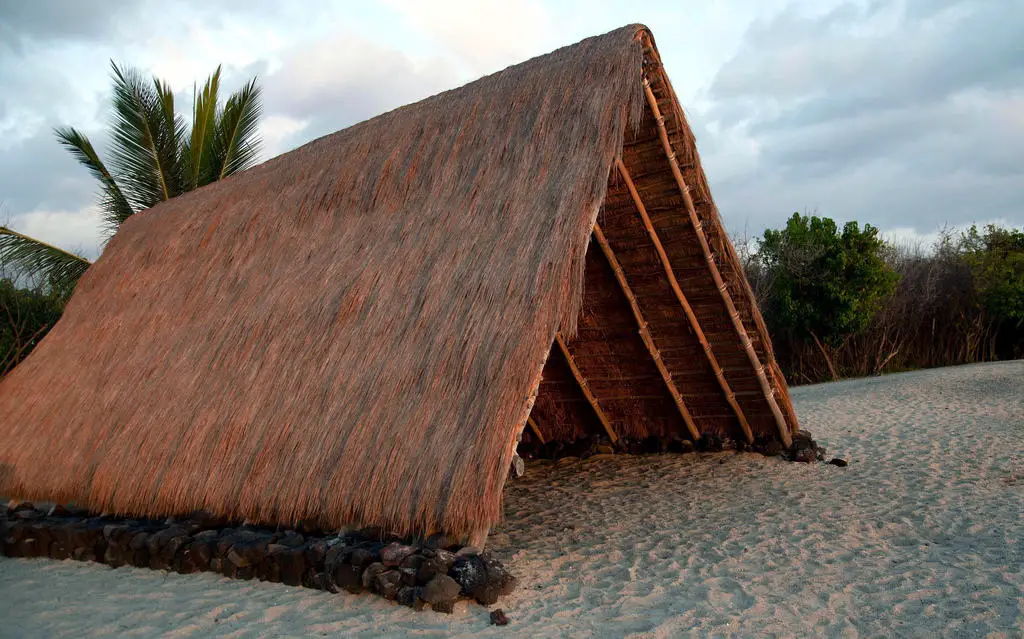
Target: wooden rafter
536,429
734,315
645,334
586,389
684,303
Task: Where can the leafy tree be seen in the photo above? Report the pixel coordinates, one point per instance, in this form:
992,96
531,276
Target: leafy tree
154,157
25,317
996,260
824,284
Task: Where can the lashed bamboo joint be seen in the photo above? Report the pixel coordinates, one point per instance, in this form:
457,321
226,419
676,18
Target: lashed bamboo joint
377,307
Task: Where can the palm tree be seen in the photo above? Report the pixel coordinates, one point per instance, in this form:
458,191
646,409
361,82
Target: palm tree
154,157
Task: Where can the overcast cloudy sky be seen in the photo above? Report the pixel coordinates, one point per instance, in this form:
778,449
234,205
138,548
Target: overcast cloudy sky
906,114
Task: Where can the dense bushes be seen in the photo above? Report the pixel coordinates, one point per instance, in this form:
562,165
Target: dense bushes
25,317
849,304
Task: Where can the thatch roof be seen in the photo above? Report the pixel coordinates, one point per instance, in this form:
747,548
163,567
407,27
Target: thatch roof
354,332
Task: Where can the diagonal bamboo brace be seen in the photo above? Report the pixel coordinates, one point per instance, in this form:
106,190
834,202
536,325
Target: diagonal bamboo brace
730,307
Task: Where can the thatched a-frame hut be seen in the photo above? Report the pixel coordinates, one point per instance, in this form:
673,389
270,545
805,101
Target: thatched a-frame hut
356,332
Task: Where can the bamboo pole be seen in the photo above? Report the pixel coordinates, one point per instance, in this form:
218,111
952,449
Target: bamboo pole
586,389
690,315
645,334
734,315
535,429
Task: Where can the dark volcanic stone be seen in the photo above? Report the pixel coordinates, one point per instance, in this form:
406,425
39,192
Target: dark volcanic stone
60,550
836,461
441,593
393,554
138,542
290,561
206,536
387,584
290,538
483,578
430,568
410,596
498,618
316,553
469,572
83,554
362,557
771,448
349,578
370,575
804,456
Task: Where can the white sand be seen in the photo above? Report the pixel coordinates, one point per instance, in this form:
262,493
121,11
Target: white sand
920,536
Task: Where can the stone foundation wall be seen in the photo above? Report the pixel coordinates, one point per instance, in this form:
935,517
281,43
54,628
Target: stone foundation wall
430,572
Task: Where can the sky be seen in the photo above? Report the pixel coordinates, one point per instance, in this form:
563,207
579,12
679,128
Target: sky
907,114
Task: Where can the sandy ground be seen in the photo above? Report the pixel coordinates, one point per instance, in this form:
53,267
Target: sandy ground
920,536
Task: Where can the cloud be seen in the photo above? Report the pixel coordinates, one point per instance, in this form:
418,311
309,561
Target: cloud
485,35
904,115
37,173
326,85
76,231
41,20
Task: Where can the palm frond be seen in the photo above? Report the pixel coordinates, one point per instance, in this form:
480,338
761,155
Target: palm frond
57,268
198,148
145,152
171,137
237,142
113,204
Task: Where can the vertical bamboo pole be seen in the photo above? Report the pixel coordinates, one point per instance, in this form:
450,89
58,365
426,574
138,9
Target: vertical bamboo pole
645,334
586,389
690,315
734,315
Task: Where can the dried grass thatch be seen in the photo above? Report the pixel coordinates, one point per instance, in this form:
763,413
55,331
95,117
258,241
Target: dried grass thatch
354,332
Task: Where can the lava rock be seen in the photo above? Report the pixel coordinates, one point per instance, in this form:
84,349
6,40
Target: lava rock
410,596
498,618
290,562
59,550
836,461
362,557
441,593
393,554
430,568
316,553
388,583
349,577
370,574
483,578
290,538
804,456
